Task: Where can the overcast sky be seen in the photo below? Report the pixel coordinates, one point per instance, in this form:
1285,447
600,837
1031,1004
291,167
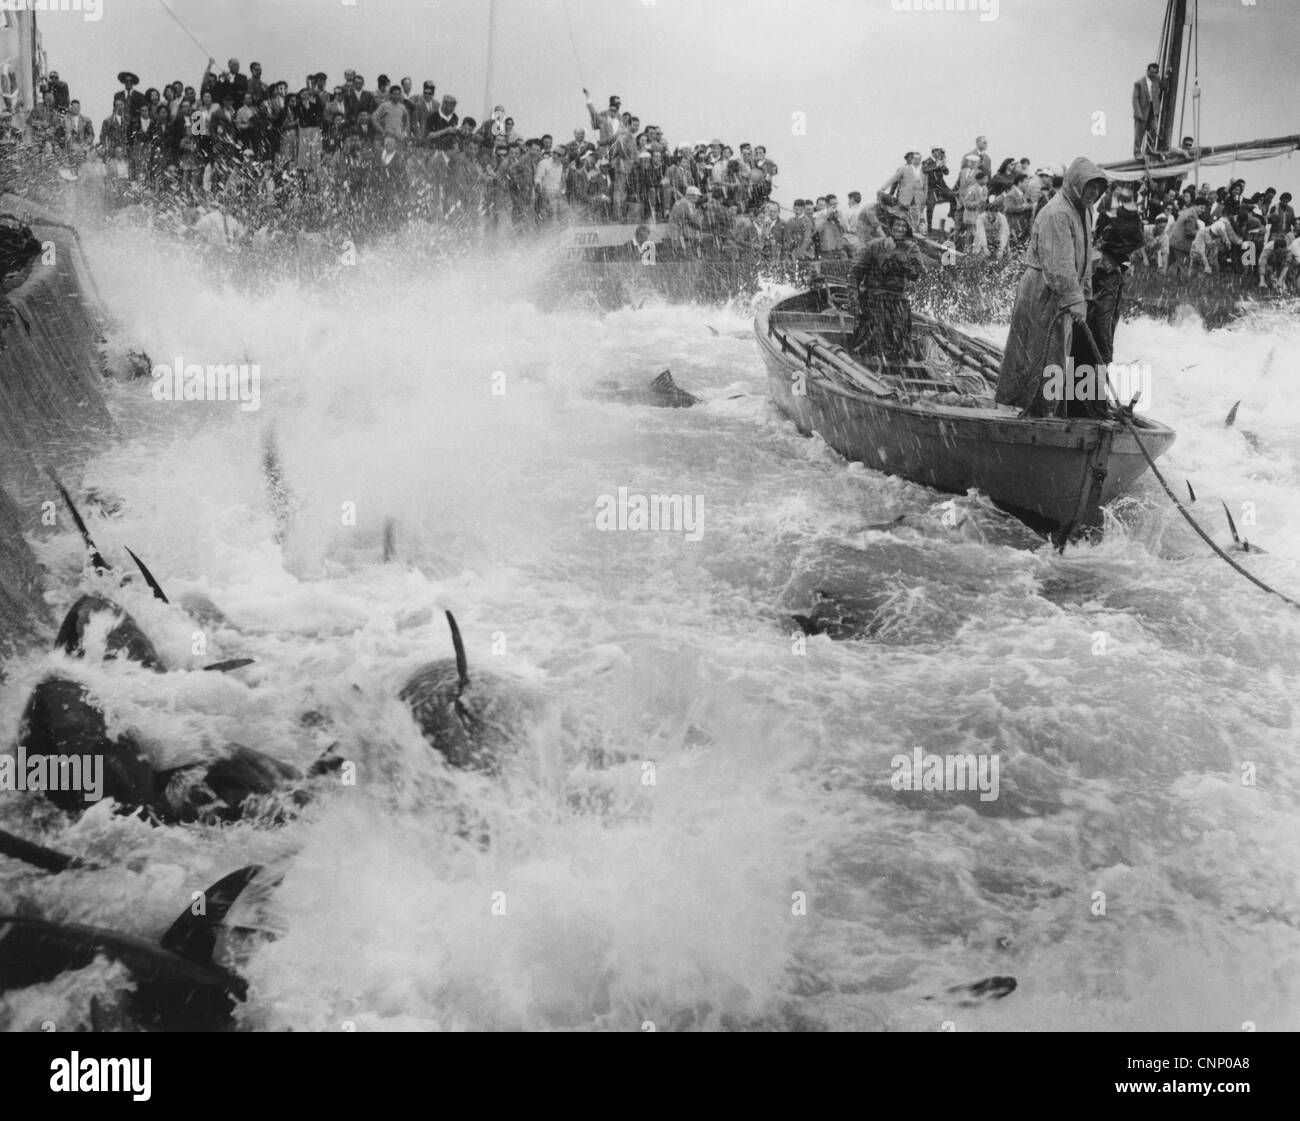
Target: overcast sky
870,81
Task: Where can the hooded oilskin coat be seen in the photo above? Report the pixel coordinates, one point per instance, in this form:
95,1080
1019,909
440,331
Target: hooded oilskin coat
1056,277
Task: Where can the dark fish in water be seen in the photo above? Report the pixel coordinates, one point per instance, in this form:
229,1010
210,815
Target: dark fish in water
1239,544
178,984
841,618
980,992
1251,439
390,539
1191,493
662,393
200,607
124,638
472,723
61,720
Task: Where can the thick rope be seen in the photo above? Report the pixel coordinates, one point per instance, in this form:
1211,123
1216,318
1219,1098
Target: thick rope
1127,421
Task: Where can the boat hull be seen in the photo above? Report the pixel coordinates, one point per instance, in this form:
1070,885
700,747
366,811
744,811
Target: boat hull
1055,474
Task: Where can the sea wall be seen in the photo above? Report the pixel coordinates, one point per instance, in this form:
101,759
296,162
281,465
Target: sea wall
52,405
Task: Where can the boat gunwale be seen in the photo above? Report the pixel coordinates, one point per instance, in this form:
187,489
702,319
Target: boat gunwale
829,382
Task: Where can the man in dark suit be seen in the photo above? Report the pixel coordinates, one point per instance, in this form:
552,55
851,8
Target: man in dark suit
1146,103
358,99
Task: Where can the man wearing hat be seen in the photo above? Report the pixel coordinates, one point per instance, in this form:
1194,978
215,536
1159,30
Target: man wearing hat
1119,235
59,89
133,97
685,223
936,187
444,120
1049,182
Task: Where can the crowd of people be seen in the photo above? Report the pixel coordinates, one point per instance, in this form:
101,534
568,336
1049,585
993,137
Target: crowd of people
387,153
1204,230
354,157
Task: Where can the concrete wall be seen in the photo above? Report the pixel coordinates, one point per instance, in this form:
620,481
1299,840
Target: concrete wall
51,406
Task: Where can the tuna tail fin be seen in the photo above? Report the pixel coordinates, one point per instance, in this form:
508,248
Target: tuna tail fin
194,936
158,593
1236,540
664,383
390,539
1232,416
1191,492
462,663
96,559
462,673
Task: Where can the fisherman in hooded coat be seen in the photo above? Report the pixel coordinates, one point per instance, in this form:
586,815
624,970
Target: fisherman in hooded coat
1054,290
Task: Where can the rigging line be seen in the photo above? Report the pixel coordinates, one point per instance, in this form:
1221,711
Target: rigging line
185,29
573,42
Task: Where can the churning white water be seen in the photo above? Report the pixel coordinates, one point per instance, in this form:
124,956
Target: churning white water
704,833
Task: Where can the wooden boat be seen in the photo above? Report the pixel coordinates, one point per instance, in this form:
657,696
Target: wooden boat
935,421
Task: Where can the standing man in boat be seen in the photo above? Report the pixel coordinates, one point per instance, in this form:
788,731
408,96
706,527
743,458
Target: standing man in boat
1119,236
879,277
1146,97
1053,294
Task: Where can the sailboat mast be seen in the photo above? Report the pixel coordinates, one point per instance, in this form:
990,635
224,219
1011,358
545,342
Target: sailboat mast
1171,58
487,78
